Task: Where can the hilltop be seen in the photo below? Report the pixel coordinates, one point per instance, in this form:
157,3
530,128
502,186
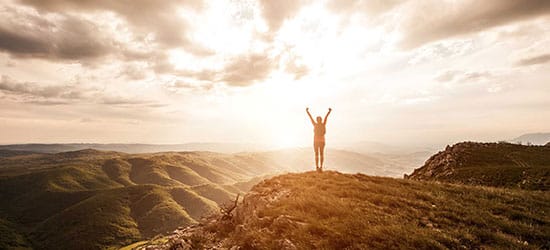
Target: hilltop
96,199
491,164
332,210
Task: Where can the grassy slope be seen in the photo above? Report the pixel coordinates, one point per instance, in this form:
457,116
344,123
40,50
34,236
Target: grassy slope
91,199
10,238
338,211
492,164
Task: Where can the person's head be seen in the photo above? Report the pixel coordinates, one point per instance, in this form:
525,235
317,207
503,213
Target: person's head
319,119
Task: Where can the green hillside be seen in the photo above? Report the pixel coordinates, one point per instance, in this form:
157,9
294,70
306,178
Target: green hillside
91,199
331,210
491,164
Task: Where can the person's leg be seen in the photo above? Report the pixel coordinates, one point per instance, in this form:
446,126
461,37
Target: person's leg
322,152
316,148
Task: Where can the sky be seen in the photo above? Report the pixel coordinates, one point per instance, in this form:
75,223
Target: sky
411,72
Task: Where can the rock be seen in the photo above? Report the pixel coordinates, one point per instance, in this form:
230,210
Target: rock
286,244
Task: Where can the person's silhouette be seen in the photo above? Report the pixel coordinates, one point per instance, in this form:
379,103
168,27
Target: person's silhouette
319,130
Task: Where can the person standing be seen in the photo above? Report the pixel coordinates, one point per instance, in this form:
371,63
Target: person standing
319,131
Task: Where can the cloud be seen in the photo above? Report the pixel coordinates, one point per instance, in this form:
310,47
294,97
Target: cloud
432,20
139,38
246,70
371,7
239,71
447,76
276,12
145,16
119,100
297,70
70,38
134,72
475,76
540,59
460,76
33,91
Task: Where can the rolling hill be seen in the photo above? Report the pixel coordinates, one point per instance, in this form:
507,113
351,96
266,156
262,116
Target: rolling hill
91,199
491,164
369,158
331,210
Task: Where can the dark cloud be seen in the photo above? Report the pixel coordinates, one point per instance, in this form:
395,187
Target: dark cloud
145,16
434,20
69,39
540,59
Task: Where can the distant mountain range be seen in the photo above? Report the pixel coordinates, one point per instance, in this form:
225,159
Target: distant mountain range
388,161
136,148
533,138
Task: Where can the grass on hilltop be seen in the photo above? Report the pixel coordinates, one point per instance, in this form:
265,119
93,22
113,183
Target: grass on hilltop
491,164
339,211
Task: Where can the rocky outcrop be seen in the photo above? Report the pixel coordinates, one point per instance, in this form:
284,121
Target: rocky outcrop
214,232
444,162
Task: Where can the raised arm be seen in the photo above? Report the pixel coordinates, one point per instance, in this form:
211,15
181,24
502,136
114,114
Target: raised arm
310,118
326,116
